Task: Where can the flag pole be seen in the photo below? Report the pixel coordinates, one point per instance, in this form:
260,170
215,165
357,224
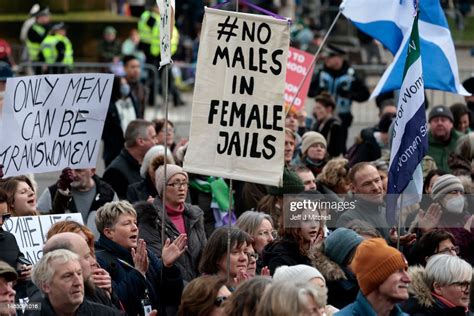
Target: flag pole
229,211
315,58
399,221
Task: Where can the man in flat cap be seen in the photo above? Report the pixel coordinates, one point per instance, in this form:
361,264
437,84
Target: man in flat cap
339,79
7,294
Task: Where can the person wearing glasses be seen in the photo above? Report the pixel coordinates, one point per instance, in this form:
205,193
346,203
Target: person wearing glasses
204,295
441,288
260,227
179,218
437,241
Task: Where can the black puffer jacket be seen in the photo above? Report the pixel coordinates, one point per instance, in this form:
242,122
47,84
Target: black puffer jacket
283,252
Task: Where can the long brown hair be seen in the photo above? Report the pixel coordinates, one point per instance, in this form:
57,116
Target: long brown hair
10,186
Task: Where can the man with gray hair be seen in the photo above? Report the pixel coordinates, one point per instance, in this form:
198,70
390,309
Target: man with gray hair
97,282
124,170
58,275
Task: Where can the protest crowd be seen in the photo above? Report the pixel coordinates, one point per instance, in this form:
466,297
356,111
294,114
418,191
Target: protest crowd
150,237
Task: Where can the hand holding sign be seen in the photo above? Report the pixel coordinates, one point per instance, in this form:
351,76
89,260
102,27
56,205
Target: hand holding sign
65,179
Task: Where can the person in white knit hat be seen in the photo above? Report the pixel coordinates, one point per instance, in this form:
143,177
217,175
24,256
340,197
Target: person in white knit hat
300,273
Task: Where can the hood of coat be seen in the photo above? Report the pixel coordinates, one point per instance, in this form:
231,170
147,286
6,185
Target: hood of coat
418,287
328,268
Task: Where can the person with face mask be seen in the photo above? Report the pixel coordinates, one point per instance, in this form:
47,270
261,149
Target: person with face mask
448,192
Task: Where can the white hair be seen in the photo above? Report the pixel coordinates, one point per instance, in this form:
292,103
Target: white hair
446,269
43,271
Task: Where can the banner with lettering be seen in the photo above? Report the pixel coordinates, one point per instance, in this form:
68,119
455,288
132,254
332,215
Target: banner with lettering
237,124
51,122
30,231
297,66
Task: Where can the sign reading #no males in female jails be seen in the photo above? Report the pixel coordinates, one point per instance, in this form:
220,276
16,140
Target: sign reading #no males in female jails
53,121
237,127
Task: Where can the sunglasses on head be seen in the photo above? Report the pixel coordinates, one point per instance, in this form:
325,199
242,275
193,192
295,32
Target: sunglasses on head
220,300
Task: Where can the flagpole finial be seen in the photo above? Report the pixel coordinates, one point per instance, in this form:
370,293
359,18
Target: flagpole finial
342,5
415,7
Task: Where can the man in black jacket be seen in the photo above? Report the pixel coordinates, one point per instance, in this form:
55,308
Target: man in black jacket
59,276
124,170
97,281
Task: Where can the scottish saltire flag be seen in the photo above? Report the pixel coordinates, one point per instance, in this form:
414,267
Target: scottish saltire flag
389,21
410,134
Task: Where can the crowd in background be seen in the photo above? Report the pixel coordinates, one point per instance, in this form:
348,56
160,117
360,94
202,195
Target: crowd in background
346,261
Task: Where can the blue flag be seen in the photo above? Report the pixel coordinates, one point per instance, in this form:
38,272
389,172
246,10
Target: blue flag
410,134
389,21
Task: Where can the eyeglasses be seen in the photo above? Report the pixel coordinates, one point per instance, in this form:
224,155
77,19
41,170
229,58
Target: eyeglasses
463,286
220,300
253,255
5,216
178,185
267,234
454,249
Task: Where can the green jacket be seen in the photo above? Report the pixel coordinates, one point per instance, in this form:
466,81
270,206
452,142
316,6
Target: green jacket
50,51
440,151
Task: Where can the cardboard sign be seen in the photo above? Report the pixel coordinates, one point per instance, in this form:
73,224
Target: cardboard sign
30,231
298,65
165,31
237,125
53,121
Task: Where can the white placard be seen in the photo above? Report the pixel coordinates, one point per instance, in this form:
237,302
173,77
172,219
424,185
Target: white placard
237,126
51,122
30,231
165,31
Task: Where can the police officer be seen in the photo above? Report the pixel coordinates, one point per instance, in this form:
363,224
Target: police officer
56,48
36,34
339,79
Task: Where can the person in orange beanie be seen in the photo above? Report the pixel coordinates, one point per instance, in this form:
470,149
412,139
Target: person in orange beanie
381,272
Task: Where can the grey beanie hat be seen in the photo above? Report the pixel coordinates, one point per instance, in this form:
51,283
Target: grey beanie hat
171,170
300,273
445,184
339,244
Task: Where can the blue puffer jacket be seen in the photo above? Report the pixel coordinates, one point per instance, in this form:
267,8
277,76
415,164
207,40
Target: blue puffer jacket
362,307
130,285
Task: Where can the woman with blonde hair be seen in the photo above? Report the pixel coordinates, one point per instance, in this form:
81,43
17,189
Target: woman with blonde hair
291,299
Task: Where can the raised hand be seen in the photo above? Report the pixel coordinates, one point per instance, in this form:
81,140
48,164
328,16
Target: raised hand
140,257
429,219
65,179
265,271
173,250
